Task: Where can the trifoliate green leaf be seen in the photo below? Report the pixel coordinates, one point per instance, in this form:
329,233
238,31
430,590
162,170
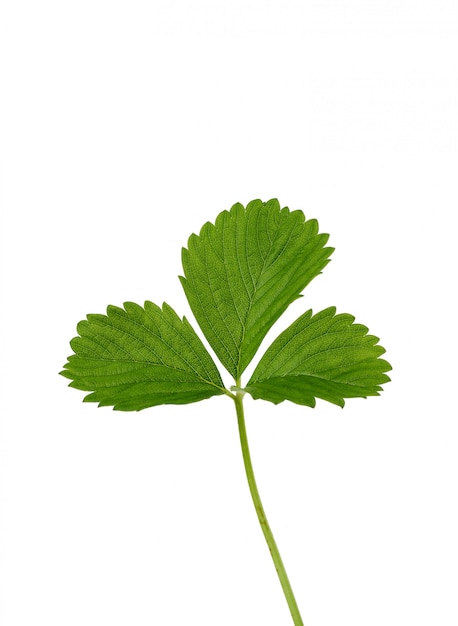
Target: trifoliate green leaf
323,356
241,273
136,357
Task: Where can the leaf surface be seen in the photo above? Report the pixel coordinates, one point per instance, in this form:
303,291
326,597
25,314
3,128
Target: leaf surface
241,273
137,357
323,356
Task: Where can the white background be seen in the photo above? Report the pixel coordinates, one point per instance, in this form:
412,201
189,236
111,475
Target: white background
124,127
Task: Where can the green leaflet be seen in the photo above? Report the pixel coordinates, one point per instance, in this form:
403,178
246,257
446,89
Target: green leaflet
136,357
241,273
323,356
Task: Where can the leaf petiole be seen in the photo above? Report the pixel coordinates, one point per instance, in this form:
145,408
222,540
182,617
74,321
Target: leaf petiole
274,551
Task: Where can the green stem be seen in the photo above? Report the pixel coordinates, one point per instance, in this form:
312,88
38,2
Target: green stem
282,575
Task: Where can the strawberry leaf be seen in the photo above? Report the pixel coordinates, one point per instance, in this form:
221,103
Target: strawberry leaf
136,357
323,356
241,273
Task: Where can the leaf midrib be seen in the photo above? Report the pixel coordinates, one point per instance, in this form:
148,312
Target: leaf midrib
312,376
255,286
147,363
